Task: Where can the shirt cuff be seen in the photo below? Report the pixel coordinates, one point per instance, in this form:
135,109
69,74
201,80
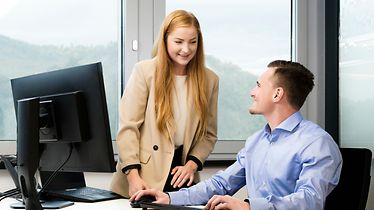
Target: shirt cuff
197,161
177,198
137,166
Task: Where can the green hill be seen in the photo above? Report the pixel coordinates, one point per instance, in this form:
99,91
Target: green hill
19,58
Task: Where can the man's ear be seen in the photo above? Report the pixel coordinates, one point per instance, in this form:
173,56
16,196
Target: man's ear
278,95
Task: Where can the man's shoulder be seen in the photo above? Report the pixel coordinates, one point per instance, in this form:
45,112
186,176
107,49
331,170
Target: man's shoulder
311,127
311,131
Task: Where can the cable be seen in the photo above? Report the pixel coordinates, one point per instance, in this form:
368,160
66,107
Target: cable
50,178
8,191
10,194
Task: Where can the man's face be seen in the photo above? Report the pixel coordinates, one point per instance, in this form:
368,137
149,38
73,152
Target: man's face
263,94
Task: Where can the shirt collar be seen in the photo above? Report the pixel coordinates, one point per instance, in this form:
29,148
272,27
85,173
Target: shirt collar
291,122
288,124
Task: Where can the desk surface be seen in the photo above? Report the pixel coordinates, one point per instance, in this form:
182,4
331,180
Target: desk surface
117,204
122,204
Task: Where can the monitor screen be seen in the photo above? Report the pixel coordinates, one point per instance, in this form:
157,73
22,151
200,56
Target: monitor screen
75,99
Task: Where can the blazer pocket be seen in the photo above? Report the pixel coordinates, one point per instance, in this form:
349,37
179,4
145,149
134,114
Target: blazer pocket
144,157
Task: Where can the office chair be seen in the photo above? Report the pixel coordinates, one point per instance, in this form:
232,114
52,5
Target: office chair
353,188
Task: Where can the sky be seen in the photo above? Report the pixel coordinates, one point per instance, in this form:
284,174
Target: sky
247,33
46,22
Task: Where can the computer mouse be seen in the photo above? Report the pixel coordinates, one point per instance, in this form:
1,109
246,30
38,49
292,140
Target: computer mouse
143,199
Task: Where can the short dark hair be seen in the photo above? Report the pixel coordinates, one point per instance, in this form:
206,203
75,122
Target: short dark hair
295,79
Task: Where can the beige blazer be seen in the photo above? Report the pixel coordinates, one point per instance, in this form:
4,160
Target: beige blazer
140,142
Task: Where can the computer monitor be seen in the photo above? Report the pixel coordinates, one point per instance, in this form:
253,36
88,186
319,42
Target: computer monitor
70,112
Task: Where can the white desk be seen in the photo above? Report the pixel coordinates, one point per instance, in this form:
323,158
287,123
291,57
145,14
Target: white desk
99,180
118,204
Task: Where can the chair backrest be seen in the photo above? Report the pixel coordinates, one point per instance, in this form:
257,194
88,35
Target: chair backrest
353,188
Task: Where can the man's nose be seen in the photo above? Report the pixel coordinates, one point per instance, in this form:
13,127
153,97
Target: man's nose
252,93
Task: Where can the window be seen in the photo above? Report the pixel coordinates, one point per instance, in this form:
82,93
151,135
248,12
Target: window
41,35
240,38
356,74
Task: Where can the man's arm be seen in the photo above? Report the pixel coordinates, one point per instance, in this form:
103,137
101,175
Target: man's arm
226,182
321,165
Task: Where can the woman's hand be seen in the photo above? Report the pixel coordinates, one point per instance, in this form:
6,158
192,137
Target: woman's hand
135,182
226,202
182,174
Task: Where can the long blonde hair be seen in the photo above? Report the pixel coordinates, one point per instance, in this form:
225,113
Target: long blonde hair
164,80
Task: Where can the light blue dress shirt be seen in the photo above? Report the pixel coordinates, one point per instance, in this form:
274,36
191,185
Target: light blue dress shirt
293,167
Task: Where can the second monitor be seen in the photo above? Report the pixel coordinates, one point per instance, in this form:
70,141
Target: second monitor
79,125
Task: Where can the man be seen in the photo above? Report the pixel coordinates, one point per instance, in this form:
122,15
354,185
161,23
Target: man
291,163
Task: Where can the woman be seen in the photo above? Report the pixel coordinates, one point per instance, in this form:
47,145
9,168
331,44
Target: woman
168,112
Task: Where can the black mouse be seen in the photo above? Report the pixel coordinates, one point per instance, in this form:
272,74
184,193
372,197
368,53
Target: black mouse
143,199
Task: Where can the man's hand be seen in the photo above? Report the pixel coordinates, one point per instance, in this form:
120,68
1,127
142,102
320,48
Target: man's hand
226,202
135,182
160,197
182,174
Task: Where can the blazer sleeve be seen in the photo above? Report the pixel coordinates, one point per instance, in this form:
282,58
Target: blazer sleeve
131,113
203,147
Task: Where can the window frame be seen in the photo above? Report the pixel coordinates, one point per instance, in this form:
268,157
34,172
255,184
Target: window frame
306,47
9,146
144,18
332,63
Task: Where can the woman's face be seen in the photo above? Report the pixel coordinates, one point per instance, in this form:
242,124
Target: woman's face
182,45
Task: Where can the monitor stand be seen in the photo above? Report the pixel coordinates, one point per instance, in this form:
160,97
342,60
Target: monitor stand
50,204
46,203
28,157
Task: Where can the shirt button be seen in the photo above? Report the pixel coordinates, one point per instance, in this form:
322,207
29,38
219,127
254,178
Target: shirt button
155,147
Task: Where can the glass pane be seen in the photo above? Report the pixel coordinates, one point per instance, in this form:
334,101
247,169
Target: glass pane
356,73
42,35
240,38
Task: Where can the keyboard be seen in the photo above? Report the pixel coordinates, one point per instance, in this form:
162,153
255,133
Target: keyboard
146,205
83,194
